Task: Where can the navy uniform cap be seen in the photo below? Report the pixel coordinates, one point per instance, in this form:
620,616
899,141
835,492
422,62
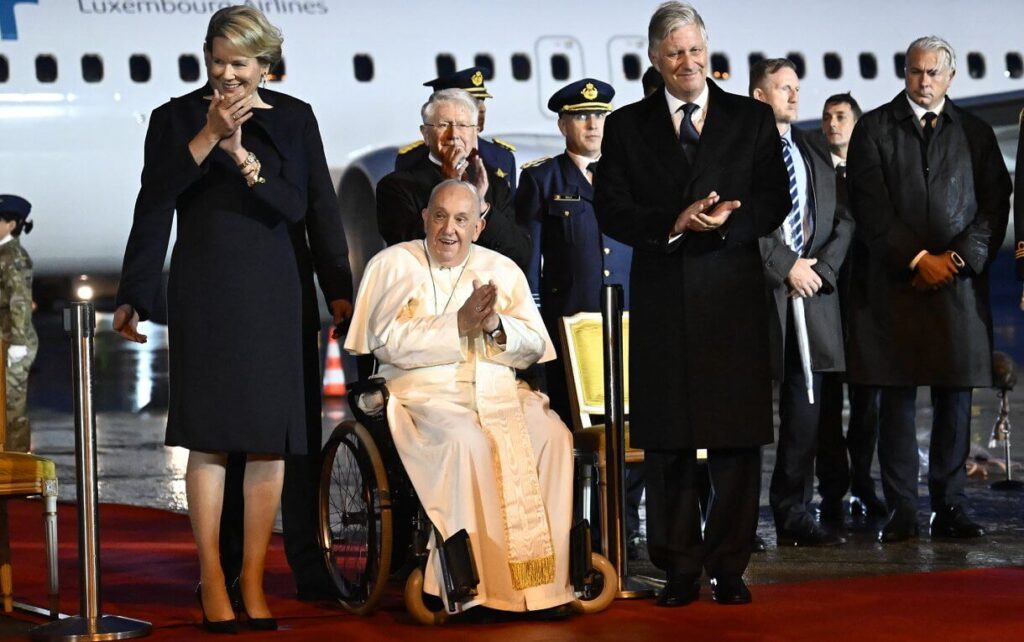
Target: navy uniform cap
583,95
472,80
14,207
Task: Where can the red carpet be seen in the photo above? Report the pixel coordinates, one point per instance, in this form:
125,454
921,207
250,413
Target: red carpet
149,572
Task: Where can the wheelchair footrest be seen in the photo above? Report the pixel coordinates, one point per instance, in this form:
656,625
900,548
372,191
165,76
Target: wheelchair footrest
579,554
458,568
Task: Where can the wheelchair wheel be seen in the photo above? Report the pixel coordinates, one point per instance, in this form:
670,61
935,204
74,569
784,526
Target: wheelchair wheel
602,585
414,603
355,517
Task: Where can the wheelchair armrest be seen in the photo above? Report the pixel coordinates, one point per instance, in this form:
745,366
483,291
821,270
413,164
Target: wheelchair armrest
368,399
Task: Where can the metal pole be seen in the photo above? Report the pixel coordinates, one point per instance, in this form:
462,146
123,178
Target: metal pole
614,537
1002,431
80,321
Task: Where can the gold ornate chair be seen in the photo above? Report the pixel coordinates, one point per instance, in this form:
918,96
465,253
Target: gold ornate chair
24,475
583,357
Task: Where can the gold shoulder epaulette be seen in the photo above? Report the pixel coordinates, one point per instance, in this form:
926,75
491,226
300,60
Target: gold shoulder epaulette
534,163
411,146
509,146
1019,254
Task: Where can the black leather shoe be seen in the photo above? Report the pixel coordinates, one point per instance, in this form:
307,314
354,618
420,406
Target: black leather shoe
953,522
760,546
900,527
730,589
219,626
830,512
810,535
319,592
680,591
867,506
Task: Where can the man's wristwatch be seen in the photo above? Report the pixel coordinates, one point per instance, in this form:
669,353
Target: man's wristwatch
957,261
497,334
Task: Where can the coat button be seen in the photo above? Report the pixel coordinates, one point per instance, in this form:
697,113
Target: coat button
566,213
607,272
607,250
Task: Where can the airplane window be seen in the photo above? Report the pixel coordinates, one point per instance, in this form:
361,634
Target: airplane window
560,67
798,61
631,66
1014,65
833,66
445,65
754,58
46,68
521,66
5,70
139,68
976,65
900,62
92,68
277,72
868,66
720,66
363,66
188,68
486,64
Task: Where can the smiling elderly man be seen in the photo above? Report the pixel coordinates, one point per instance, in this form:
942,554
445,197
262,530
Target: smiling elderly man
450,131
449,321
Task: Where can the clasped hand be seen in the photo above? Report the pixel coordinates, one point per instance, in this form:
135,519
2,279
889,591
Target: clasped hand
802,280
479,312
706,214
226,115
934,271
126,323
455,164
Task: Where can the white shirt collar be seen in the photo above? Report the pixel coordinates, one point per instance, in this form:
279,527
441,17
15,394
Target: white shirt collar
837,160
7,239
582,161
920,111
674,103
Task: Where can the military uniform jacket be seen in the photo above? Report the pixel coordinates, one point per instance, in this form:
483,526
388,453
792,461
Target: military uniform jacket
700,370
16,297
556,203
240,292
402,197
954,197
496,155
829,243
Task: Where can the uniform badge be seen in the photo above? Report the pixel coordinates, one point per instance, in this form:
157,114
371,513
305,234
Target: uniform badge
589,91
501,173
477,79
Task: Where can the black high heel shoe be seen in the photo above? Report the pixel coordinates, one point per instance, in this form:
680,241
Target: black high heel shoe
220,626
256,623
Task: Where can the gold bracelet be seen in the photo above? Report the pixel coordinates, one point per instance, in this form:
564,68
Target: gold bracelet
249,160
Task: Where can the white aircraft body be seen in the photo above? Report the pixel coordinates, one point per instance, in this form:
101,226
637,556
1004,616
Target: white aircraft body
79,78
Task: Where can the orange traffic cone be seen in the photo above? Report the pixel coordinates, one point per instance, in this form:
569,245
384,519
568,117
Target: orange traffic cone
334,374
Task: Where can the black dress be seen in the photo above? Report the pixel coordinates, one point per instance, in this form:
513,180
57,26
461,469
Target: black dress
239,269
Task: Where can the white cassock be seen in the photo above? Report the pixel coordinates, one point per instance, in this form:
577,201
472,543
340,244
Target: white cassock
484,452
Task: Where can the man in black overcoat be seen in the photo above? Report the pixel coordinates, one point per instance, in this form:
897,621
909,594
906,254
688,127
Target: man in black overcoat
691,177
802,260
930,196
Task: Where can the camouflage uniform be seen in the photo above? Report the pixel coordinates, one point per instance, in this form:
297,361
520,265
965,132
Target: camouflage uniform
16,329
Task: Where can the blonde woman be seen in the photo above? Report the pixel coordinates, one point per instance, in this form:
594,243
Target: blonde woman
244,169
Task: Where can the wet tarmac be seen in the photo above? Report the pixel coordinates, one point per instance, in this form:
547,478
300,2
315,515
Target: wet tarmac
135,468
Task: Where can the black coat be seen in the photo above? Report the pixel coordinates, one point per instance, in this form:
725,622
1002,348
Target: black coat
240,293
699,366
833,229
402,196
956,200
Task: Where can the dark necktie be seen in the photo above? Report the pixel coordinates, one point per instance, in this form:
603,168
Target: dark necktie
841,171
688,136
592,168
928,127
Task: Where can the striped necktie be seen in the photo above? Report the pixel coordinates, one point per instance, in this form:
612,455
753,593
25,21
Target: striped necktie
794,221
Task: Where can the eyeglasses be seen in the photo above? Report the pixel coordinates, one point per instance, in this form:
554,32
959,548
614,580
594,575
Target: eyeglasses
442,126
582,117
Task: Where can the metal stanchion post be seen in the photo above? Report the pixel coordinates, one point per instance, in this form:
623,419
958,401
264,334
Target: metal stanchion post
615,444
91,624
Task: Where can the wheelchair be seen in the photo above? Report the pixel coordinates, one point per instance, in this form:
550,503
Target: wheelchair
373,528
